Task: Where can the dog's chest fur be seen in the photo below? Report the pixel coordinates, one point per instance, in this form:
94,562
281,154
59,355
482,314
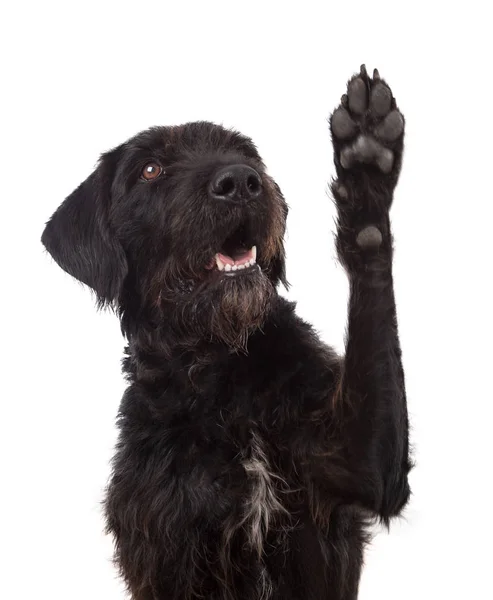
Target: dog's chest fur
211,442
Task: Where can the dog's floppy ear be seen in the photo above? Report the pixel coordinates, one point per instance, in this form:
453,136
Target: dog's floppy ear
79,238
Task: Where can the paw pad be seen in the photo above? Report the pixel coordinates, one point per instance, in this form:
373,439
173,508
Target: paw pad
358,96
369,238
367,150
367,121
381,100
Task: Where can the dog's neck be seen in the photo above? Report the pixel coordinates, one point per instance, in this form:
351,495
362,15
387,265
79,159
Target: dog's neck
156,358
157,347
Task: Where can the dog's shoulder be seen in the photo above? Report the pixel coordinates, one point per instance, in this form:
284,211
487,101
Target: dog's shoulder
290,347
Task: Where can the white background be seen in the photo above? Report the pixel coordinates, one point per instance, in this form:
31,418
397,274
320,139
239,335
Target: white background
80,77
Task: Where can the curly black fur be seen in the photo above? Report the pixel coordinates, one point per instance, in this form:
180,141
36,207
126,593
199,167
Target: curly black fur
251,457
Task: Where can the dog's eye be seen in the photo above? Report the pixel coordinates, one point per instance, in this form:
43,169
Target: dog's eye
151,171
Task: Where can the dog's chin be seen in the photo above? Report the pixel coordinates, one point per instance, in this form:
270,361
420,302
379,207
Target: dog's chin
244,301
228,307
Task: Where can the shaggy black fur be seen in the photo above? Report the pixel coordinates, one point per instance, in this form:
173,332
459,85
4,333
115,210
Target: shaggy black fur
251,457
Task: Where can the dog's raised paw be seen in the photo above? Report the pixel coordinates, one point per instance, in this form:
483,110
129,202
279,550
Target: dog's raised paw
367,127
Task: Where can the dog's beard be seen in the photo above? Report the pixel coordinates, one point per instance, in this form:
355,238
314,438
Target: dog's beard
243,304
227,310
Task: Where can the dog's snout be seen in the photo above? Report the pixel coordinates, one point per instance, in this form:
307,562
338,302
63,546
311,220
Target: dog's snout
236,182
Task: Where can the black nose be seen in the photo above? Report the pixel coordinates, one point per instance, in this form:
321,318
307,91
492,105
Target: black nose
236,182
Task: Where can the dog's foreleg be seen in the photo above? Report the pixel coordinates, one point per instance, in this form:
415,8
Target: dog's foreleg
368,141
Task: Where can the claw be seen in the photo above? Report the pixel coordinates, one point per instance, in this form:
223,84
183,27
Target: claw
362,70
344,100
376,75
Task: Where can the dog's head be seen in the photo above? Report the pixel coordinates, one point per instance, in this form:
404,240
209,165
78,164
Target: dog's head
180,224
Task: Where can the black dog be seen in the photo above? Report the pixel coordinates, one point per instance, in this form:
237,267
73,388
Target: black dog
251,458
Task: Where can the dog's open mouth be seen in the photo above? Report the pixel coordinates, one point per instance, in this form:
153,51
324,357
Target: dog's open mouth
242,259
236,254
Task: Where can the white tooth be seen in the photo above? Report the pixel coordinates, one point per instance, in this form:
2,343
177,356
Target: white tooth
241,267
234,267
219,263
254,252
227,267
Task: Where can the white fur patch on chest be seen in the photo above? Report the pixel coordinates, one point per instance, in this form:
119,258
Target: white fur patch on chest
262,503
259,508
